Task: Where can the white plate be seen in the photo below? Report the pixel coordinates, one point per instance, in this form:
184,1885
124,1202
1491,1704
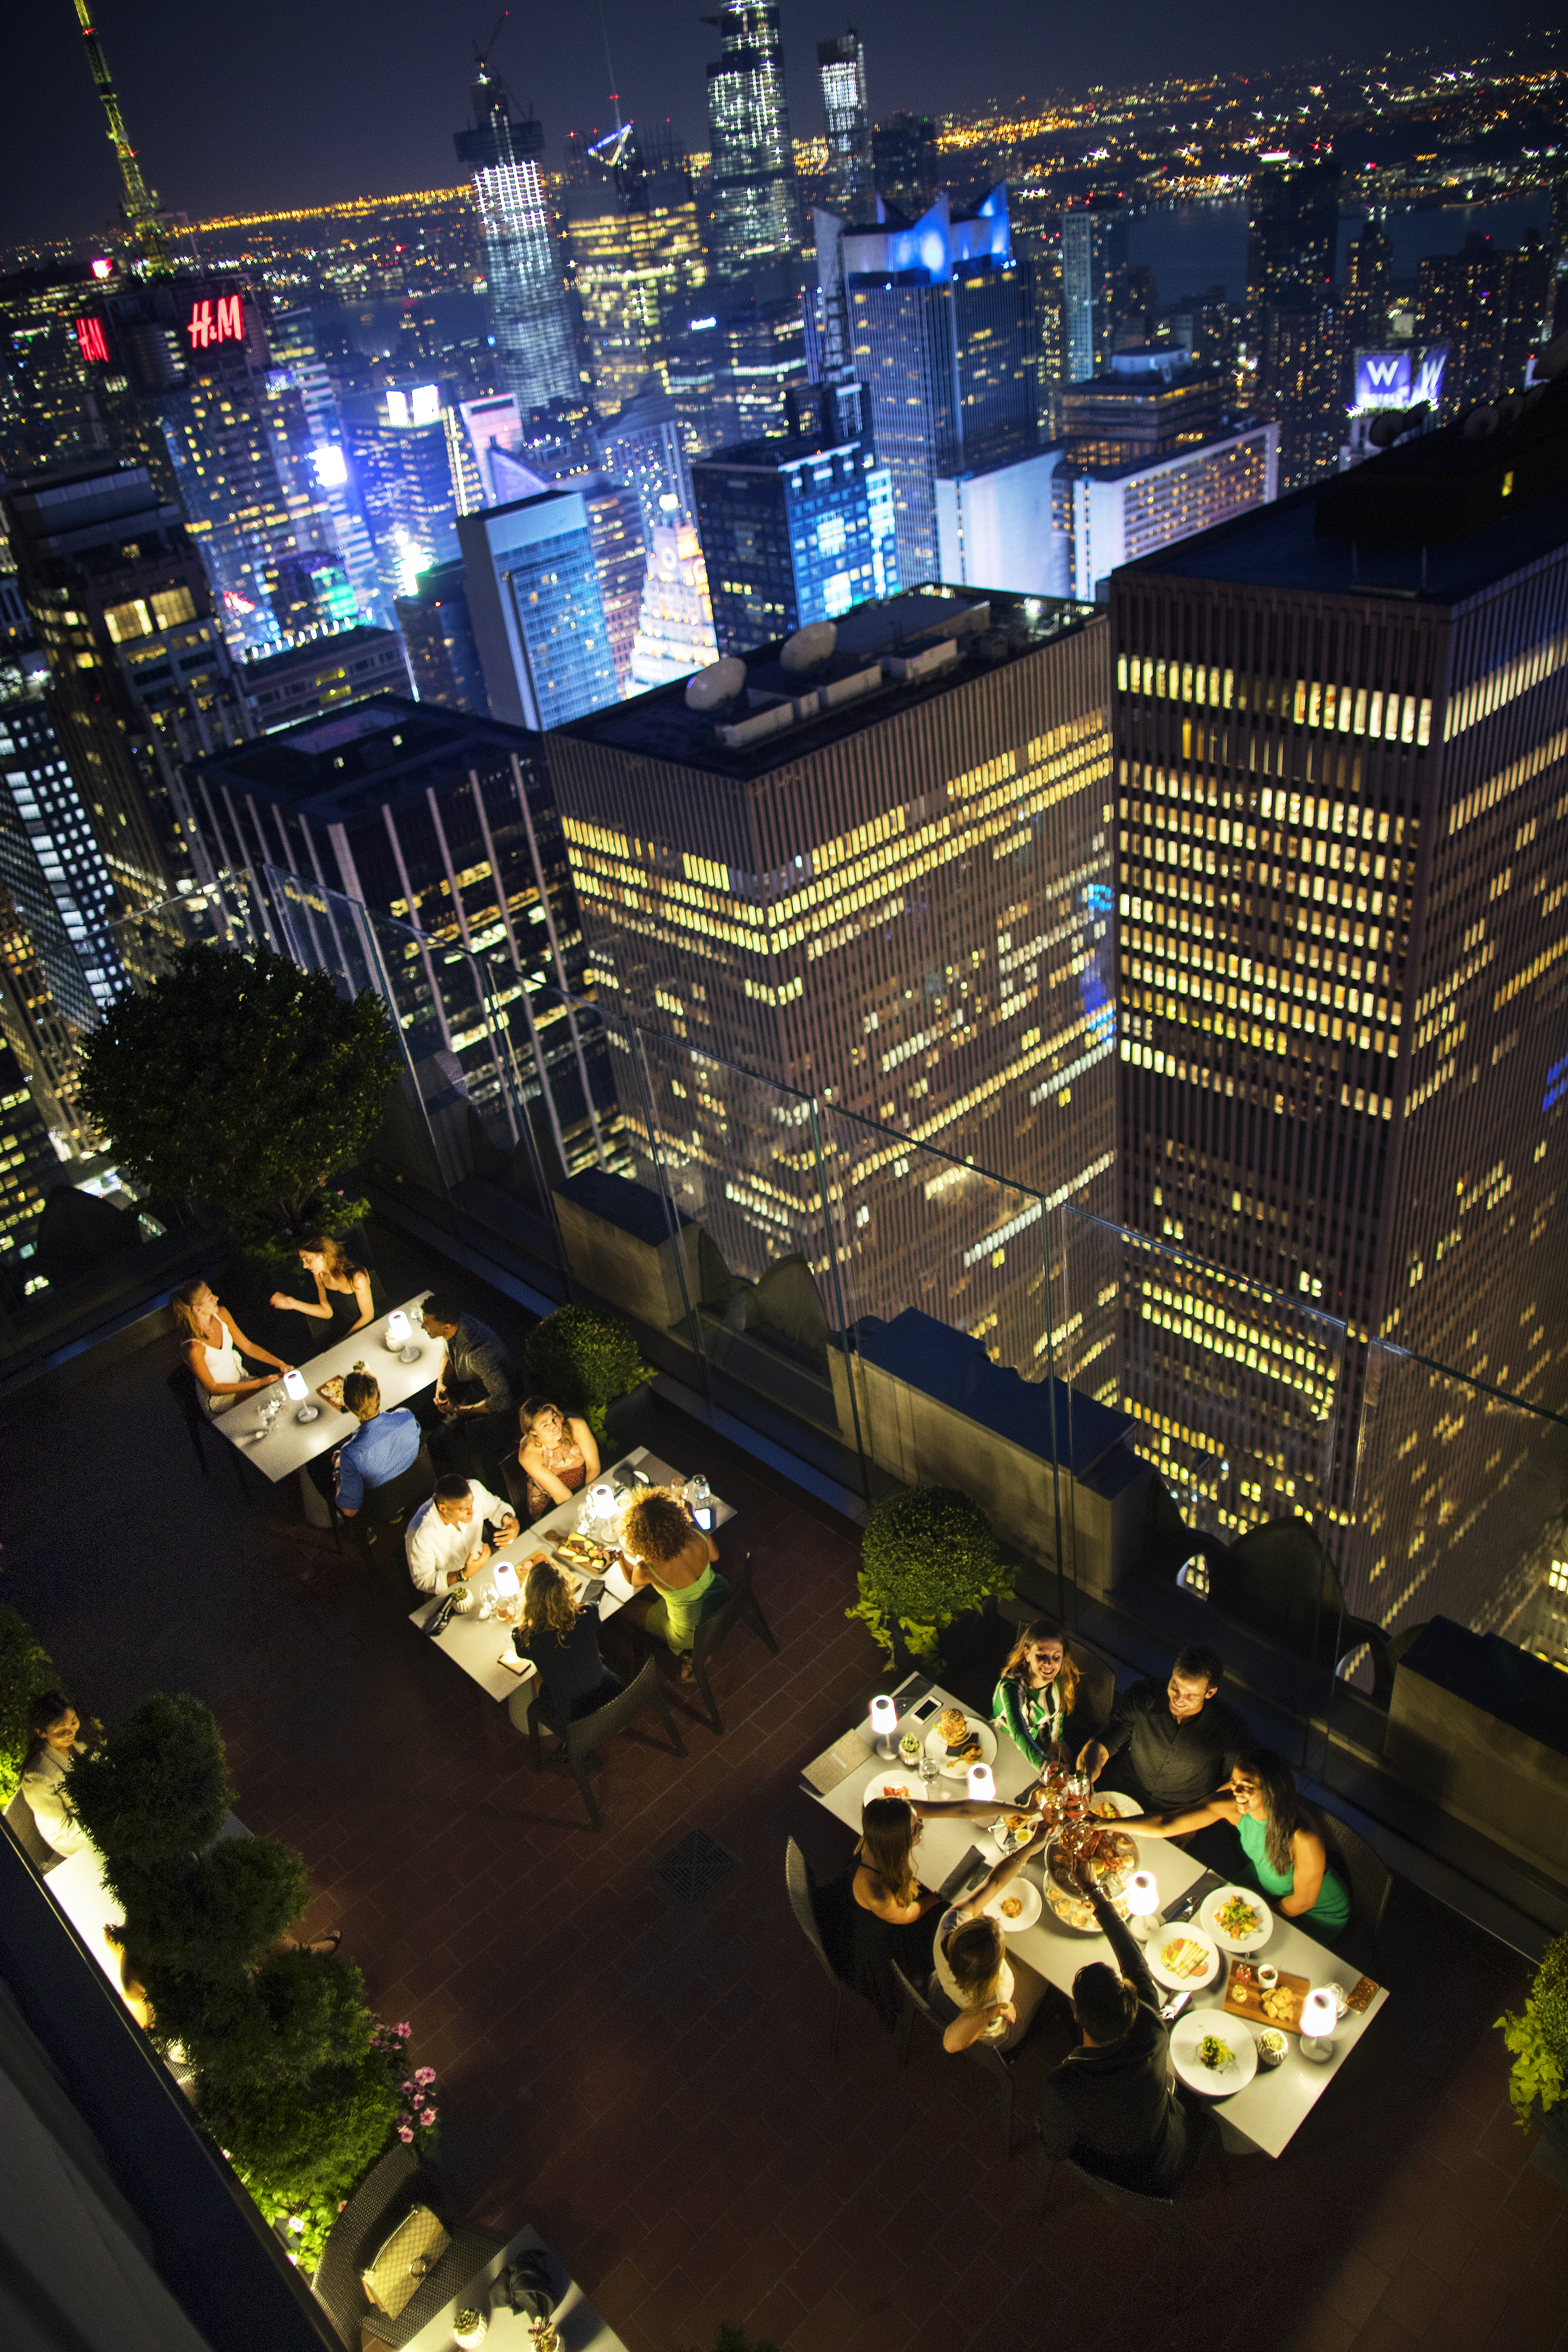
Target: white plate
937,1746
1216,1901
1125,1806
1028,1894
1214,2082
1167,1933
1004,1845
891,1783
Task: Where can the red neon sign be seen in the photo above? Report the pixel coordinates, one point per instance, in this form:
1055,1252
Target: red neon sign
215,322
94,342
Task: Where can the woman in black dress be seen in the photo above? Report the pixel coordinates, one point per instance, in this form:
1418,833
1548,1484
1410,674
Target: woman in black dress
562,1641
348,1295
877,1913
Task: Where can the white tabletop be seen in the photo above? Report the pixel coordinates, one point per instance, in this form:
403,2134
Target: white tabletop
291,1443
482,1647
579,2325
1278,2100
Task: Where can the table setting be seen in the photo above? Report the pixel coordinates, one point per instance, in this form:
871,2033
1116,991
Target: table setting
282,1427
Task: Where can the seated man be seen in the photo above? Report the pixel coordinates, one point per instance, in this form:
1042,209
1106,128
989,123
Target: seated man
1111,2106
1181,1740
383,1446
476,1388
446,1536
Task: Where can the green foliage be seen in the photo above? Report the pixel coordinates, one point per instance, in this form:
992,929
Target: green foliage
296,2016
158,1791
214,1915
304,2223
926,1556
310,2136
1538,2040
584,1360
26,1669
239,1080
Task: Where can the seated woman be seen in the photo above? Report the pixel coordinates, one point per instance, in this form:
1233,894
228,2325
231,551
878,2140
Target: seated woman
1287,1859
211,1343
54,1748
562,1641
663,1545
874,1914
556,1453
348,1295
1036,1693
984,1996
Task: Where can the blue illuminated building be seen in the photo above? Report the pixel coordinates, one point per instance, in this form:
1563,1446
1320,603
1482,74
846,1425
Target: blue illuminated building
397,445
535,610
793,531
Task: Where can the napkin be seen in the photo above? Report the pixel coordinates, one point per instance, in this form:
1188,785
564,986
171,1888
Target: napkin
846,1755
1188,1907
966,1877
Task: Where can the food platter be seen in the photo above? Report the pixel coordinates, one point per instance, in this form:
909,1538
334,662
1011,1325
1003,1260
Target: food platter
1111,1805
957,1768
1113,1858
892,1783
1007,1839
1194,1959
1232,1934
1026,1895
1201,2028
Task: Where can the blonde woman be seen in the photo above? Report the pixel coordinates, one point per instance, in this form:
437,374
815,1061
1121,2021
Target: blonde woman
562,1641
212,1343
1036,1693
663,1545
344,1294
556,1453
991,1998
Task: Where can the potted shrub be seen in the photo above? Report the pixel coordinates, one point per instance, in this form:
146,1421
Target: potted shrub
926,1556
584,1361
212,1914
470,2328
159,1790
1538,2083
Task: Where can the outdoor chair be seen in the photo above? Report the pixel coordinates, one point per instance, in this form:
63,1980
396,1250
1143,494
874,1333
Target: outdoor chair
184,1387
584,1739
712,1632
384,1506
19,1820
366,2222
999,2068
802,1889
1368,1878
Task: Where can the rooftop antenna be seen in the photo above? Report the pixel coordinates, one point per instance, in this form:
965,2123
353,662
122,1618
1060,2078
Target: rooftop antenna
140,209
615,94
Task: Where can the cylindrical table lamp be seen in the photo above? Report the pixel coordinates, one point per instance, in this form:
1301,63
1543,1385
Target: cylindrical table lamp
982,1785
884,1724
397,1329
1142,1900
1320,2015
297,1388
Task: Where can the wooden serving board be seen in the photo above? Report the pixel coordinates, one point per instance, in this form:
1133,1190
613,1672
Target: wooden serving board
1242,1998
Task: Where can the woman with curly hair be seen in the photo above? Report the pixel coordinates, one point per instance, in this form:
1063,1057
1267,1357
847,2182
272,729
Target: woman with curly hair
663,1545
563,1642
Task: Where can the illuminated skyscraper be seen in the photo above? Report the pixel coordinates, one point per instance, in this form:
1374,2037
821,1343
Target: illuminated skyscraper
636,251
49,412
525,292
906,162
842,64
399,453
1340,727
644,447
443,659
537,615
1302,387
755,213
1094,267
1292,231
793,531
39,802
1492,308
292,336
675,623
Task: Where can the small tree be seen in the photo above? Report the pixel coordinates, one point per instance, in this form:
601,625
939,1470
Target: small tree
212,1915
26,1670
156,1792
239,1080
1538,2040
583,1361
307,2136
926,1556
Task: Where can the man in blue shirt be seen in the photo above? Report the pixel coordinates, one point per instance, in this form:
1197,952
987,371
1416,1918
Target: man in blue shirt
383,1447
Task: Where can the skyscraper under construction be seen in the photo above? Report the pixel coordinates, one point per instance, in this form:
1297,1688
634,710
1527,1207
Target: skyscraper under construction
756,216
527,296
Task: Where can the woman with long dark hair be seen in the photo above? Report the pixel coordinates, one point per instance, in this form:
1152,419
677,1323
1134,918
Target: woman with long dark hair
1286,1857
878,1911
345,1289
52,1750
1036,1693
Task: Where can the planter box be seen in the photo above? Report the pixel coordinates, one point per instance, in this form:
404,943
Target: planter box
1480,1727
935,1410
618,1244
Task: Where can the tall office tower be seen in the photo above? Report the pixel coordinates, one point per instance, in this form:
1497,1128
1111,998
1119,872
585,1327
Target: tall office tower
537,615
49,412
691,367
397,445
1120,512
42,991
312,594
793,531
614,536
1292,234
1041,259
906,163
1492,308
141,679
525,292
636,253
940,326
675,621
881,880
1094,266
1302,386
1146,405
292,336
1006,528
1339,727
755,218
760,359
438,634
644,447
27,1165
841,62
282,688
39,802
447,821
1367,291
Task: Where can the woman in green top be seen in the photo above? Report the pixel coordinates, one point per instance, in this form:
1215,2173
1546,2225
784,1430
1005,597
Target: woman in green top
1036,1693
1287,1858
663,1545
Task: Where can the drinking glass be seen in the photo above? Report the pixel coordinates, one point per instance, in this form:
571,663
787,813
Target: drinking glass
928,1768
416,1315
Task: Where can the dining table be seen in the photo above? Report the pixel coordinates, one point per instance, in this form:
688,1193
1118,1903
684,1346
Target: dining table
1268,2111
482,1645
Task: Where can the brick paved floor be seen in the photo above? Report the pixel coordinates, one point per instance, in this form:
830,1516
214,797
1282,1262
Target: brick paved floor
648,2084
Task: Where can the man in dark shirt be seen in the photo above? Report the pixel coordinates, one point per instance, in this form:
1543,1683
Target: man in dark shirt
476,1389
1111,2104
1180,1738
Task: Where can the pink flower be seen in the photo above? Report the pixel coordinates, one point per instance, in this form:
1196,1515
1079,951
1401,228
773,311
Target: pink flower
406,2089
404,2119
428,2116
404,2133
425,2073
403,2032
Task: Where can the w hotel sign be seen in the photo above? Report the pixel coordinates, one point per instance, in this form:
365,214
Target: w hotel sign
1400,379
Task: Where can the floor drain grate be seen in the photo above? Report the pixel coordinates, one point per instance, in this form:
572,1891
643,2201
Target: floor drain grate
694,1867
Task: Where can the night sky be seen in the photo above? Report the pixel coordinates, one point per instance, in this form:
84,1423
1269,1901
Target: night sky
253,108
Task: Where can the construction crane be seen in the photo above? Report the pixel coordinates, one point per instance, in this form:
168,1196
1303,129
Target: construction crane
140,209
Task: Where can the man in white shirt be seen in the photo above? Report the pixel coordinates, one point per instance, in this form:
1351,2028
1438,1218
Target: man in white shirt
445,1539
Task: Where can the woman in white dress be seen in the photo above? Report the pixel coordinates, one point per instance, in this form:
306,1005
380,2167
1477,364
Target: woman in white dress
54,1749
212,1342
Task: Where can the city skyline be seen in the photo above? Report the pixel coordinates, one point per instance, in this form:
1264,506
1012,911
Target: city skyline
209,153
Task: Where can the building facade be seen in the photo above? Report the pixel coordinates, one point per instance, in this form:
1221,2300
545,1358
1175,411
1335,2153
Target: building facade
637,262
1493,309
675,632
535,609
399,453
438,638
906,162
50,408
841,64
280,689
793,531
524,289
39,800
754,211
1122,512
1292,234
1094,270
